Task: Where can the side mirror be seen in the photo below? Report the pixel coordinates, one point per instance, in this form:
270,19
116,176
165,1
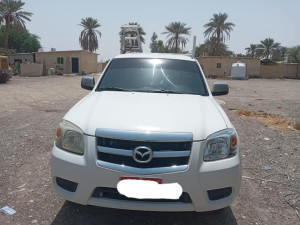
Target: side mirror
88,83
220,88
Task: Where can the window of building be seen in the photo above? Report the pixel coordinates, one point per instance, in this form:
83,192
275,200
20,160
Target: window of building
219,65
60,60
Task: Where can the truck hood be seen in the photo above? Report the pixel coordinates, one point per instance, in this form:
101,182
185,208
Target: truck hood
147,112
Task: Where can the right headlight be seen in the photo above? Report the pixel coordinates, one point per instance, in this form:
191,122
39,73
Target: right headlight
221,145
69,137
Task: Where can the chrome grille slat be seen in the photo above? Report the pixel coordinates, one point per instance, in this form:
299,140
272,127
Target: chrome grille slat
157,154
115,151
147,171
167,154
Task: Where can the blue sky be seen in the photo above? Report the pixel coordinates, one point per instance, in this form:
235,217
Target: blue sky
56,21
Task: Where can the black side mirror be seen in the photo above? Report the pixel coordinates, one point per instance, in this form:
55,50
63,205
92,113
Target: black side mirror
88,83
220,88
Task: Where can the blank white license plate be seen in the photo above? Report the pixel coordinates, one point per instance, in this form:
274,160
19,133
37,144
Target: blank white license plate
148,189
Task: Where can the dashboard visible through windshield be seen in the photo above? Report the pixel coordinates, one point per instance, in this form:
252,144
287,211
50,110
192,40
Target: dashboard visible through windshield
153,75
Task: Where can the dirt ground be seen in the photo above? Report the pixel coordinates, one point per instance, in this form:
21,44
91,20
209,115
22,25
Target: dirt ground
31,108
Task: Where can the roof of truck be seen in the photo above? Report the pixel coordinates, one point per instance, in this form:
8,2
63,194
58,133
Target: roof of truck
155,55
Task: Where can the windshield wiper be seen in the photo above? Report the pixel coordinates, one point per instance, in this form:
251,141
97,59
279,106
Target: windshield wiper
113,89
166,91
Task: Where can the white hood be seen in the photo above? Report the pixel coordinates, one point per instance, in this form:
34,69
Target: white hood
156,112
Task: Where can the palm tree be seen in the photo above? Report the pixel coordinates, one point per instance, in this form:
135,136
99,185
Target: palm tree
174,32
11,12
293,54
268,47
211,47
88,37
280,54
252,50
218,27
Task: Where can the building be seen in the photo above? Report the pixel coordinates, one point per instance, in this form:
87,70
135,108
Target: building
21,58
221,66
67,62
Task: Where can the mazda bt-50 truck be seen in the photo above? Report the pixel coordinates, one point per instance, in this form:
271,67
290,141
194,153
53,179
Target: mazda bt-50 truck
150,127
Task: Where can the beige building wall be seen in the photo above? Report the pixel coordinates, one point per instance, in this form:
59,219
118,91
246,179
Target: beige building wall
280,70
87,61
276,70
31,70
292,70
210,65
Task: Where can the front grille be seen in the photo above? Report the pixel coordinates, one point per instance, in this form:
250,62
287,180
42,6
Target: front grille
112,193
170,152
155,162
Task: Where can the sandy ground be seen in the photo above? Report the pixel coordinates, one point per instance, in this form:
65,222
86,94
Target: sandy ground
31,108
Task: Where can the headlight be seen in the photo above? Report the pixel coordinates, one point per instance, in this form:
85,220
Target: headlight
69,137
221,145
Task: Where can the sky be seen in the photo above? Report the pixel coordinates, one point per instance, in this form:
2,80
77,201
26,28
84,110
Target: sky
56,21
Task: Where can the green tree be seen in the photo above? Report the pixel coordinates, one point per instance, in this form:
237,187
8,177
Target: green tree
11,13
161,47
20,42
268,47
218,27
240,55
251,50
293,54
175,32
88,37
280,55
153,44
211,47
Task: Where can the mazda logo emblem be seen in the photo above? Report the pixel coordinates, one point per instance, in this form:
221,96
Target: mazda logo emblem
142,154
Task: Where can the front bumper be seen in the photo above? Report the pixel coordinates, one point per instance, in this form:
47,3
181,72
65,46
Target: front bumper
197,180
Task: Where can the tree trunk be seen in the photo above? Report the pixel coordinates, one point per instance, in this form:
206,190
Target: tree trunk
176,43
6,34
218,42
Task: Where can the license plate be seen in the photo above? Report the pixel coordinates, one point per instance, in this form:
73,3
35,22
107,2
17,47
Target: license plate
158,180
150,188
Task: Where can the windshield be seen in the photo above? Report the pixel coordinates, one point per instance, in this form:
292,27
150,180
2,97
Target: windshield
153,75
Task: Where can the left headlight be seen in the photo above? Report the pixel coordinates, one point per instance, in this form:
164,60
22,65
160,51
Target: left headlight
221,145
69,137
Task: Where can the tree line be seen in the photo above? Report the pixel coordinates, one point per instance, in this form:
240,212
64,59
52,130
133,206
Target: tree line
217,31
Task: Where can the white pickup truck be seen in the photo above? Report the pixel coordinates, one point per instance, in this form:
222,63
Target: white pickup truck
149,118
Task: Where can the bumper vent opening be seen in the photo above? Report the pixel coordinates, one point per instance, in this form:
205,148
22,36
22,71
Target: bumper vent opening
66,184
217,194
112,193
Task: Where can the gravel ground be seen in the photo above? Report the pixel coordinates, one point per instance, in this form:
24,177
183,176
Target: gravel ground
31,108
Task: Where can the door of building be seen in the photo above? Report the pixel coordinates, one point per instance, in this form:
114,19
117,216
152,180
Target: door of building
75,65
